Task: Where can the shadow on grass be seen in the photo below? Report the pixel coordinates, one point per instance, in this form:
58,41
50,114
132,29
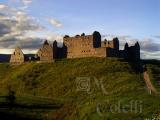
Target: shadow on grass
13,116
23,106
137,66
25,112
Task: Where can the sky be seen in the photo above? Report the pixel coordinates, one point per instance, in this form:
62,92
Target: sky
26,23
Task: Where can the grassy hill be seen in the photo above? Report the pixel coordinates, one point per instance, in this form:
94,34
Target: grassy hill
79,89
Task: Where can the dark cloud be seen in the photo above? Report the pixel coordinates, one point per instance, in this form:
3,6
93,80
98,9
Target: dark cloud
8,43
157,36
31,43
150,55
25,43
149,45
14,28
4,29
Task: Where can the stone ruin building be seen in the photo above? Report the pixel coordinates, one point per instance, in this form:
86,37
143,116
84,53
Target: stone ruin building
47,52
17,57
81,46
90,46
93,46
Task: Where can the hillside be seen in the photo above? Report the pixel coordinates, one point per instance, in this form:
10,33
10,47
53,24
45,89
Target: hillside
79,89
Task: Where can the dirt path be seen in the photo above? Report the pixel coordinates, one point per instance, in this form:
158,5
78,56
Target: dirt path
149,84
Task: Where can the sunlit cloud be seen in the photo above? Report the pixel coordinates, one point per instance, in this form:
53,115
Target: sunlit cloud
55,23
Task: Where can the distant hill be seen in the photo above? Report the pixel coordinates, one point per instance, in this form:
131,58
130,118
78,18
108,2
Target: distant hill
88,88
4,57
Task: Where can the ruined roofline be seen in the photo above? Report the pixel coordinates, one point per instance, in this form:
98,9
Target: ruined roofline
76,36
108,40
50,43
133,45
19,49
95,33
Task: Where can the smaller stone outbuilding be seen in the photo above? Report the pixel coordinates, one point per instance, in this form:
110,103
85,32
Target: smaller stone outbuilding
47,52
17,57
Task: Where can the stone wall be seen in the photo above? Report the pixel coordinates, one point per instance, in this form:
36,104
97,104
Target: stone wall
100,52
79,46
89,46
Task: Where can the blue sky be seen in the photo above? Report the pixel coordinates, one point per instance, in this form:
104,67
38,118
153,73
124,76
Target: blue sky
138,19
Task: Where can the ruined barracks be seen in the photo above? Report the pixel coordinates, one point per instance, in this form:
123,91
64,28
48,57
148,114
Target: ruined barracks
78,47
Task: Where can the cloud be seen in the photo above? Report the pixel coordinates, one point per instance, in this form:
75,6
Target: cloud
122,39
17,23
25,43
17,28
150,55
26,4
31,43
55,23
149,48
20,4
25,22
14,28
2,6
4,29
52,36
157,36
149,45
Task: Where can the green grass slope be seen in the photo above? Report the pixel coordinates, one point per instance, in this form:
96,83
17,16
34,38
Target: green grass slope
88,89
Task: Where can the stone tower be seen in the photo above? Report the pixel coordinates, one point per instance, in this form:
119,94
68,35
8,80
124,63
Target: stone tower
116,43
17,57
55,49
96,39
132,52
137,51
126,46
